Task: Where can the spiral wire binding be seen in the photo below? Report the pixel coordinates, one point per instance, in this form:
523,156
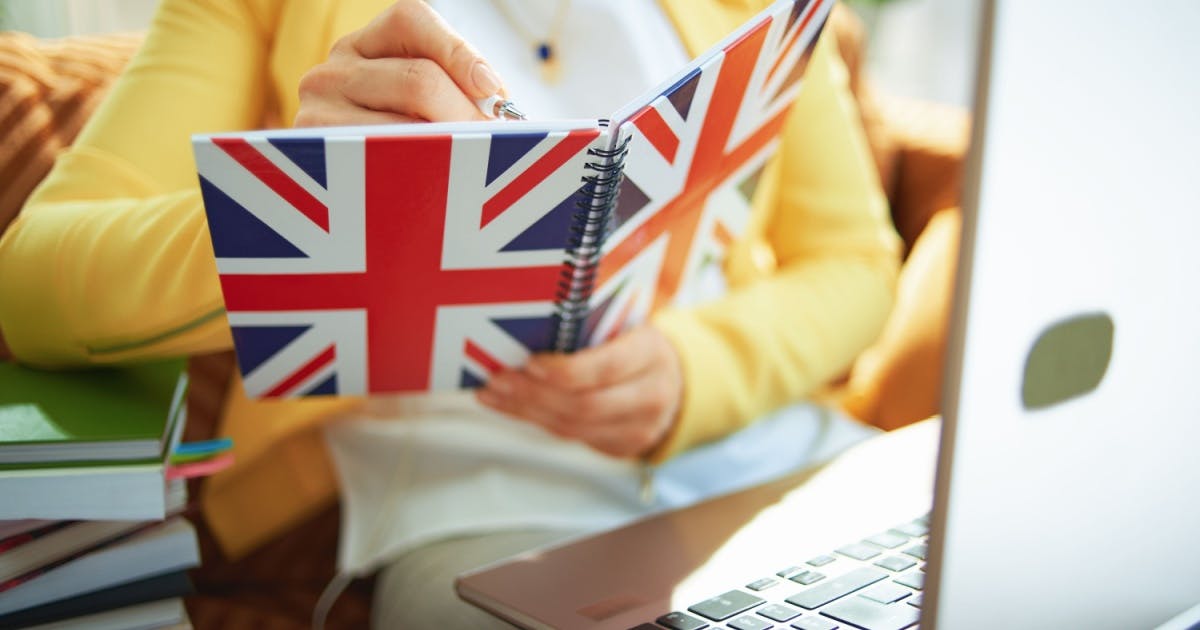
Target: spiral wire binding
595,203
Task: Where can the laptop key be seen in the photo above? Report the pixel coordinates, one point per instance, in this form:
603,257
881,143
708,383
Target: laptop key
821,560
858,551
724,606
916,529
750,622
914,580
918,551
814,623
808,577
915,600
886,593
895,563
888,540
864,613
840,586
762,585
778,612
680,621
789,572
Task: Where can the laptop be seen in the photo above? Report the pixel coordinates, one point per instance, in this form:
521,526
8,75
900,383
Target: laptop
1066,488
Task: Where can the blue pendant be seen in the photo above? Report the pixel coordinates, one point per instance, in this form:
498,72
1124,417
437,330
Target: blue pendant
547,62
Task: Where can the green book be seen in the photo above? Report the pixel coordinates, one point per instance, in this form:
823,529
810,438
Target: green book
121,414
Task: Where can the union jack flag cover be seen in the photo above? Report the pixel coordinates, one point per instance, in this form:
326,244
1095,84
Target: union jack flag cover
419,257
695,157
407,259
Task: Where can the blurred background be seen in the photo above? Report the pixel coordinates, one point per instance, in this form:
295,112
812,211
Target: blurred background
921,49
58,18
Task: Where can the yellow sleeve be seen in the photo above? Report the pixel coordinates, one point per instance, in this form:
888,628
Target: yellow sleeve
775,340
110,258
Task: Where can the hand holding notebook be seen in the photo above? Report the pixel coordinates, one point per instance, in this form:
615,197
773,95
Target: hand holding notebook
620,397
416,257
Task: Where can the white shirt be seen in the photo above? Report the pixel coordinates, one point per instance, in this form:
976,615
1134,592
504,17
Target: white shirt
608,51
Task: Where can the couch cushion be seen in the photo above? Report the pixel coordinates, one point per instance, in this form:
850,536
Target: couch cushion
898,380
48,88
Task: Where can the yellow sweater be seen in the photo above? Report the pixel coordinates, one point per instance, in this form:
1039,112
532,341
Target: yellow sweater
110,259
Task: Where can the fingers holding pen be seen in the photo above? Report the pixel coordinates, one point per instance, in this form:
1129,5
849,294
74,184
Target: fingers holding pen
416,88
411,28
405,65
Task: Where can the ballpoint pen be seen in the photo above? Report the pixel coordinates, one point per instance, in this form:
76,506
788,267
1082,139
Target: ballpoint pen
499,107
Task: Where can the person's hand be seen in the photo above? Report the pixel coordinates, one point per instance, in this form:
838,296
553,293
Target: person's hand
406,65
620,398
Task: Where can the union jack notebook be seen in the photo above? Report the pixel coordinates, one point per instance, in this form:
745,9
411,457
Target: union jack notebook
361,260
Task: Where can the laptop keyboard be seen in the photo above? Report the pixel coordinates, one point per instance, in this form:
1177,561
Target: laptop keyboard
873,584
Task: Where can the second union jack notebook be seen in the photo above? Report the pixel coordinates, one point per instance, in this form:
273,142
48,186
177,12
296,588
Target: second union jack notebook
361,260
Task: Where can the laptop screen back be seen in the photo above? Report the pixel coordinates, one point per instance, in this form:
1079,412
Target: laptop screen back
1072,412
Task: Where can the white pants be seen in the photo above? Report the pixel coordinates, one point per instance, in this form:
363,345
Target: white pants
416,590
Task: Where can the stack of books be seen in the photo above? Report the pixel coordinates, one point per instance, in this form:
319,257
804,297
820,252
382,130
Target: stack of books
92,495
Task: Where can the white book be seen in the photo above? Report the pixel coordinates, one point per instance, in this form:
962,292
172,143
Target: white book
160,614
8,529
169,547
60,544
102,492
76,537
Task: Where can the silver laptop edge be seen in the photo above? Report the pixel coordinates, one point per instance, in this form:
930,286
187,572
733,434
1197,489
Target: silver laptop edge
952,368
